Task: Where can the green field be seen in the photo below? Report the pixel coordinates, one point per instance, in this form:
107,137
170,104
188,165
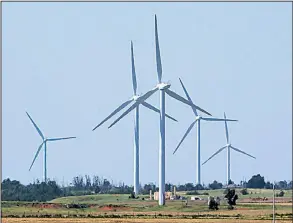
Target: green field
120,206
122,198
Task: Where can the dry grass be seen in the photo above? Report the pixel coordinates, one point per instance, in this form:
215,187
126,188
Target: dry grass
89,220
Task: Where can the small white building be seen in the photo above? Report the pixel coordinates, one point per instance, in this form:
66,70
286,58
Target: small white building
195,198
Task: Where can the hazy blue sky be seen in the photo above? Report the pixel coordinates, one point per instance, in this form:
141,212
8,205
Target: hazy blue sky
68,65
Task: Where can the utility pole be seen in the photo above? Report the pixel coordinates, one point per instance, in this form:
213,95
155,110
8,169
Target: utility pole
274,202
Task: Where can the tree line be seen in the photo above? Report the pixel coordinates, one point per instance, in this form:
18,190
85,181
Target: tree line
13,190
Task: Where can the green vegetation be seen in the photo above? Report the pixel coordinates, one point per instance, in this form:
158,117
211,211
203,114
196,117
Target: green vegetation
94,199
244,191
195,192
13,190
281,194
121,206
107,205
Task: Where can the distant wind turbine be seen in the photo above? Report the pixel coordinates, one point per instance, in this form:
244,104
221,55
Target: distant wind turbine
134,98
164,88
198,118
45,140
228,146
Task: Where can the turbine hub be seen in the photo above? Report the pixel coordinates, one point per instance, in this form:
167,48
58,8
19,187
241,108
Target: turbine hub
136,97
163,86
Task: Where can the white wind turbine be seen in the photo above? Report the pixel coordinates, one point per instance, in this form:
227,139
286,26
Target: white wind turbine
134,98
45,140
198,119
228,146
164,88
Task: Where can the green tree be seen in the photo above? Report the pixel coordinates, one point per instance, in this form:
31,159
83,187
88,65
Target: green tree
230,182
198,187
168,187
215,185
189,187
256,181
268,185
282,184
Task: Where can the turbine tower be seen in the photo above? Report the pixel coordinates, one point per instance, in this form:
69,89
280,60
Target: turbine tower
164,88
45,140
228,146
198,119
134,98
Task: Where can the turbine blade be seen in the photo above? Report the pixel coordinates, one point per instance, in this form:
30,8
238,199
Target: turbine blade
56,139
188,97
214,154
158,55
139,101
134,83
147,95
125,113
218,119
37,128
156,110
114,112
226,129
179,98
186,133
240,151
37,153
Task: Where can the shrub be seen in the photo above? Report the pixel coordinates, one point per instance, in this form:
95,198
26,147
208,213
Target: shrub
195,192
281,194
132,196
192,193
244,191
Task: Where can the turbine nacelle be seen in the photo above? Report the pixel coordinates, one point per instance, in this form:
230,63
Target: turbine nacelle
198,118
136,97
163,86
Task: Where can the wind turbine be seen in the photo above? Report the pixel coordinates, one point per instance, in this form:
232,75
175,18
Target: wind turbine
45,140
198,119
228,146
164,88
134,98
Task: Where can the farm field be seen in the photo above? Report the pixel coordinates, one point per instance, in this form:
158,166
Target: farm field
119,208
106,198
82,220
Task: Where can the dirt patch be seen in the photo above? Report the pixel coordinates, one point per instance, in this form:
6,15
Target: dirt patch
106,208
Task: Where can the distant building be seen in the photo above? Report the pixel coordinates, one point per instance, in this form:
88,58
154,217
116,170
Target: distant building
194,198
167,195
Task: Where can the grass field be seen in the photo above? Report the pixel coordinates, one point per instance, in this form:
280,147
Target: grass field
119,208
252,193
